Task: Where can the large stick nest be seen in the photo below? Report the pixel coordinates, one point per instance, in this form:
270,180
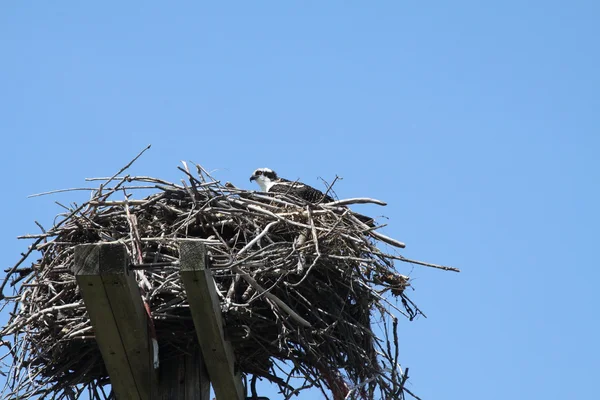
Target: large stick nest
302,288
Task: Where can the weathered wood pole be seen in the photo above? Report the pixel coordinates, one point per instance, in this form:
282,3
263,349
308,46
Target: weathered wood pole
121,326
114,304
183,377
206,312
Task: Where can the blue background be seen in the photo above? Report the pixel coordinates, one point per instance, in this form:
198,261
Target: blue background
476,121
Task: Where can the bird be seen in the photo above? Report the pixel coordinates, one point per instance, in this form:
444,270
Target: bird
270,182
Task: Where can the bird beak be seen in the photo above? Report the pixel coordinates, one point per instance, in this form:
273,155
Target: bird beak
252,178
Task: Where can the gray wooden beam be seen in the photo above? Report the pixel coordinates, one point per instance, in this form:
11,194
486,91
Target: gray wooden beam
183,377
113,302
206,313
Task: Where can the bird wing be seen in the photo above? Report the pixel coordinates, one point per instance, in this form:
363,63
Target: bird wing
300,190
312,195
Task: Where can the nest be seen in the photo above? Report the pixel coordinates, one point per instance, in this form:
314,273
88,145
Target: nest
319,283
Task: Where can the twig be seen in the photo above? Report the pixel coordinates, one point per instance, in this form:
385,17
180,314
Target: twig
125,167
425,264
387,239
61,191
357,200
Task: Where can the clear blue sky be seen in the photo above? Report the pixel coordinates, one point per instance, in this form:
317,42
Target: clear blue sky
477,122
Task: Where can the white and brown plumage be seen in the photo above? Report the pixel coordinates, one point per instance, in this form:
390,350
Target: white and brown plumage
269,182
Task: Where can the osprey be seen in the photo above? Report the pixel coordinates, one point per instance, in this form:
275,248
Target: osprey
269,182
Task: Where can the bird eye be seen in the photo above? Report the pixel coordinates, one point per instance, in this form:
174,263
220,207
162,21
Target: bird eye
258,172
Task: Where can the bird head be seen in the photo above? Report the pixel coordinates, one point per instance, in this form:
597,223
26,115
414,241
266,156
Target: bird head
264,177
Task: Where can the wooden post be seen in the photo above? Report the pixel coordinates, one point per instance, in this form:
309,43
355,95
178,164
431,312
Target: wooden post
112,298
206,313
183,377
